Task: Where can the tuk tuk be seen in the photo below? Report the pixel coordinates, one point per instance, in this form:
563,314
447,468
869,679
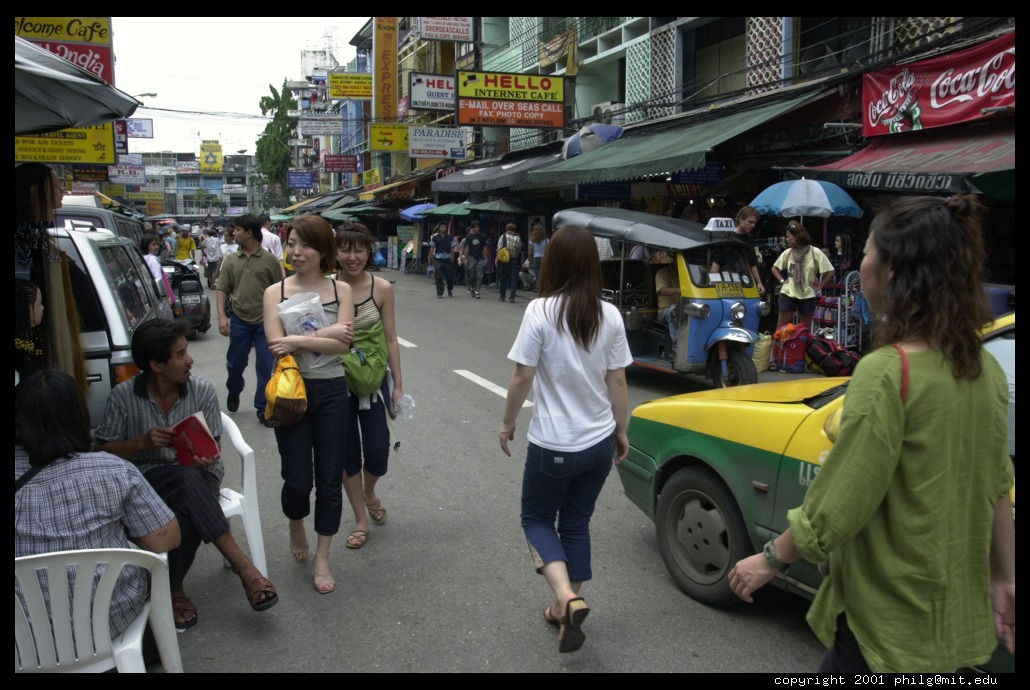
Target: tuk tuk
717,312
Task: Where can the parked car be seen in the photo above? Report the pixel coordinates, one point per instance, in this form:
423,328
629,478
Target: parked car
114,293
81,217
191,303
717,471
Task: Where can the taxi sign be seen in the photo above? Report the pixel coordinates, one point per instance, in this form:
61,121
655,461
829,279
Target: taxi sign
721,224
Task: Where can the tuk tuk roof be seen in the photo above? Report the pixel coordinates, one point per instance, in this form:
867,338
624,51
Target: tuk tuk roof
641,228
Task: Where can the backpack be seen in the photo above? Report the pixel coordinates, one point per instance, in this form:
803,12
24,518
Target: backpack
830,357
365,364
286,396
503,256
790,347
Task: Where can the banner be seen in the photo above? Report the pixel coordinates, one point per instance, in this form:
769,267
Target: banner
210,156
437,142
431,91
126,173
384,57
941,91
352,85
445,29
388,137
510,100
336,163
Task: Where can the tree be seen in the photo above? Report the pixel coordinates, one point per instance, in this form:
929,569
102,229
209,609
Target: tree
274,157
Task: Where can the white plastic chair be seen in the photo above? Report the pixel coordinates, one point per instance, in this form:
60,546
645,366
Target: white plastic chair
244,504
76,636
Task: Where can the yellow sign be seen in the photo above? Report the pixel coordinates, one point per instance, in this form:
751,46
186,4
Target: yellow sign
114,190
355,86
210,157
95,30
146,196
388,137
384,57
155,207
372,178
80,145
511,87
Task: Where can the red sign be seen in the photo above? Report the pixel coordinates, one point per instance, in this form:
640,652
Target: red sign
941,91
473,111
335,163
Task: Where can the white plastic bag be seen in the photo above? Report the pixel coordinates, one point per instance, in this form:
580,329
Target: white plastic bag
302,314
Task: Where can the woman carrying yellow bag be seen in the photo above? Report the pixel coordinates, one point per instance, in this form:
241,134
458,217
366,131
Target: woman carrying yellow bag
310,451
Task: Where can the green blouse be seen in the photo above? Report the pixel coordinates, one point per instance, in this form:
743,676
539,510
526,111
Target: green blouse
903,509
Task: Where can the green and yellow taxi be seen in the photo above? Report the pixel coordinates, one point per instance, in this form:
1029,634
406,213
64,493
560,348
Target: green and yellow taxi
718,470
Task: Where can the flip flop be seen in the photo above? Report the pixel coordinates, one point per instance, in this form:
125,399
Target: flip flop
182,605
261,587
571,636
359,536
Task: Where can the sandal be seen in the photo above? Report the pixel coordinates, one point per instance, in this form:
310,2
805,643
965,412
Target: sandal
182,607
550,618
261,594
377,512
356,539
324,584
773,366
570,635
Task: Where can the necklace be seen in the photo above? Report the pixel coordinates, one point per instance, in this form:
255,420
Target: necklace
28,346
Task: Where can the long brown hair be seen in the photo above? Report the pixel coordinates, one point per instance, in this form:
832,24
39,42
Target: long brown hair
571,269
318,233
935,249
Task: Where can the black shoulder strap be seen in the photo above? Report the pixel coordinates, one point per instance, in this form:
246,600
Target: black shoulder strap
24,479
335,294
282,290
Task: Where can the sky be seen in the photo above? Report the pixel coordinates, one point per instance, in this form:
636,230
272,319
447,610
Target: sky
216,69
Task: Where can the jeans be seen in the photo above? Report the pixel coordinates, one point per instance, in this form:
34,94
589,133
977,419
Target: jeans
443,268
474,274
243,336
563,486
508,277
368,436
312,455
670,317
845,656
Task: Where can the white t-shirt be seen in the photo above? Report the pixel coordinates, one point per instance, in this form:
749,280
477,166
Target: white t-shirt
271,242
227,249
571,408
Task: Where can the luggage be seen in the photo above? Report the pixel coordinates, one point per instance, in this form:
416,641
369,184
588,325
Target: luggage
830,357
790,345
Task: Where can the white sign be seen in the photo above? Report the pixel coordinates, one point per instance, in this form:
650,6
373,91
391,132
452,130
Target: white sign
437,142
431,91
318,128
126,174
130,159
139,128
188,167
445,28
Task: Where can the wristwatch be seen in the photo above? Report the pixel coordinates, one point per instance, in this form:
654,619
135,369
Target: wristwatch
769,551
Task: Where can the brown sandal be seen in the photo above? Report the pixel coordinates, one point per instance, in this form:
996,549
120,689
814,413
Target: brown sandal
182,606
261,594
377,512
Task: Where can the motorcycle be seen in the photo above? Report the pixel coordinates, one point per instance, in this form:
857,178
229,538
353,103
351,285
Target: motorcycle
717,314
191,303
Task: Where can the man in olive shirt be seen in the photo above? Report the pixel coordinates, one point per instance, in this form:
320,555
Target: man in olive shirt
244,276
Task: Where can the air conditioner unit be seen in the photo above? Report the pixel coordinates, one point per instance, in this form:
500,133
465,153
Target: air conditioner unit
609,113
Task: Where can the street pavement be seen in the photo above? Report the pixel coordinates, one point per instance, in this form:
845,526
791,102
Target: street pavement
447,584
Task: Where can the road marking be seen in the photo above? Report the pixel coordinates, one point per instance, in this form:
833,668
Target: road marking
492,387
404,343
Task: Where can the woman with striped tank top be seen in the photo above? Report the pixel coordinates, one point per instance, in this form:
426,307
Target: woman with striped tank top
367,433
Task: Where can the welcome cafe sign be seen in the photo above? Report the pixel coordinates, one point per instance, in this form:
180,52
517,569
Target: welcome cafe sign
941,91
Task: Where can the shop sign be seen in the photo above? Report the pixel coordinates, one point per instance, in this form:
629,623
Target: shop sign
79,145
140,128
300,179
599,191
83,188
941,91
313,124
712,173
355,86
127,174
437,142
89,173
388,137
431,91
336,163
372,179
445,28
187,167
384,79
510,100
155,208
145,196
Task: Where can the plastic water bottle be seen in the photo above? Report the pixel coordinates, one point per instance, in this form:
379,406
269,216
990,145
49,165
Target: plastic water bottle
406,407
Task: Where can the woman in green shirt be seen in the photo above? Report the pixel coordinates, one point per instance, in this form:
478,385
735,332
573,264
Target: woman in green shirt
911,508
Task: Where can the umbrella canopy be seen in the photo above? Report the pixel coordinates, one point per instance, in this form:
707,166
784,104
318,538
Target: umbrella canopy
339,214
589,138
806,198
51,93
365,210
413,213
498,206
279,217
457,209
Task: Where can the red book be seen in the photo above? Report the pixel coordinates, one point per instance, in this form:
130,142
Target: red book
193,439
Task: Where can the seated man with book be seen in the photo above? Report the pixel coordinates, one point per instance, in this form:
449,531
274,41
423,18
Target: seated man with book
139,425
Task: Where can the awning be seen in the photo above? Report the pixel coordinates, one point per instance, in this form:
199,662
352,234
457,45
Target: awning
302,204
935,162
489,177
665,152
326,201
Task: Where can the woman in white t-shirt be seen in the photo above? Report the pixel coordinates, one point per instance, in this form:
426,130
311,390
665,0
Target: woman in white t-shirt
572,349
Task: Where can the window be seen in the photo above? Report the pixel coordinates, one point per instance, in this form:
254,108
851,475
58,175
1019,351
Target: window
720,59
124,275
827,43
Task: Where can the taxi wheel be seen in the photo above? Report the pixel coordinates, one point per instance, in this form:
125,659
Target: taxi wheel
701,535
741,368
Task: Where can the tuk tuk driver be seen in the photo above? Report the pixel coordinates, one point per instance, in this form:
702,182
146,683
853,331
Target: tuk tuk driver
667,288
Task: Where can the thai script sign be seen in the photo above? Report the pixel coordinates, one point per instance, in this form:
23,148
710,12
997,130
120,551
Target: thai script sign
941,91
431,91
510,100
352,85
445,28
437,142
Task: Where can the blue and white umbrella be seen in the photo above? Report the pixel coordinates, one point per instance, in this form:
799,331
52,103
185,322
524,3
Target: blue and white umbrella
806,198
589,138
414,213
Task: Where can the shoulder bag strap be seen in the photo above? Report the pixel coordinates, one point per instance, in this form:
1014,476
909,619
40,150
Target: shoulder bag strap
24,479
904,372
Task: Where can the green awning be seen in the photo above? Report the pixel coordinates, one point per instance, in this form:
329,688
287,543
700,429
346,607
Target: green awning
666,152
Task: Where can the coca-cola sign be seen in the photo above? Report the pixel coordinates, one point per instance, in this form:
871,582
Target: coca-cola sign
941,91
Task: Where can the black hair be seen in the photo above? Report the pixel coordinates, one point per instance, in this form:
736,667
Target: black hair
250,223
51,420
153,340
